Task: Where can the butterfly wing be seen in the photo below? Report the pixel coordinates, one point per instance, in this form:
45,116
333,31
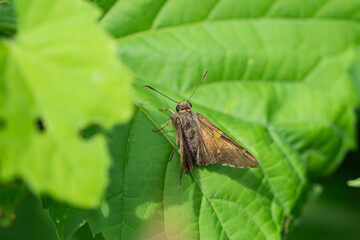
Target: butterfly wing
217,147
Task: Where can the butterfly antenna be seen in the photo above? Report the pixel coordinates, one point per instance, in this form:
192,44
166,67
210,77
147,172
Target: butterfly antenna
159,93
198,84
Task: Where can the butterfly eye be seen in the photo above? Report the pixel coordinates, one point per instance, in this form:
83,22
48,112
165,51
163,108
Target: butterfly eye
190,104
178,108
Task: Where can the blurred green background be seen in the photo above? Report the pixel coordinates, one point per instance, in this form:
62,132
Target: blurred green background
335,214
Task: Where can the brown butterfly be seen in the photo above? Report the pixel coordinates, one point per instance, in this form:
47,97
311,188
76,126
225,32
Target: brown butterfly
201,142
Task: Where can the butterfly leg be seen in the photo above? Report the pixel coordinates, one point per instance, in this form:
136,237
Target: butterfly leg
173,151
170,111
166,124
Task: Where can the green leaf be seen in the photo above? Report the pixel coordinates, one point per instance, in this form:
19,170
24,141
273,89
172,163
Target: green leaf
278,83
127,17
3,56
66,219
7,19
105,5
354,183
61,75
355,71
10,195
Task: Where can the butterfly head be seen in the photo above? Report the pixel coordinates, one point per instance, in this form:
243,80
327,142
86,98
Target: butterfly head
183,106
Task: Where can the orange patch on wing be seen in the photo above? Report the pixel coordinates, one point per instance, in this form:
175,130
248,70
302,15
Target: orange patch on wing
216,136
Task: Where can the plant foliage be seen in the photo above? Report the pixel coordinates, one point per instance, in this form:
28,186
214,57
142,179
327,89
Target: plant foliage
278,83
58,75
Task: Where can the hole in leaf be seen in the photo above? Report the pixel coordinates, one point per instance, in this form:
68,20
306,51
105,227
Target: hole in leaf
40,125
90,131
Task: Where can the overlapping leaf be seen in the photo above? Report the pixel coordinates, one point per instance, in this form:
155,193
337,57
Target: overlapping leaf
278,83
61,75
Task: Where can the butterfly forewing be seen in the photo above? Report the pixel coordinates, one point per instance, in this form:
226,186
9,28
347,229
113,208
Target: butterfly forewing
218,147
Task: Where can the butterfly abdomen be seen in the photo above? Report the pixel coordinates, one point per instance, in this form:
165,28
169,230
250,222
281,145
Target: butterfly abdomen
189,125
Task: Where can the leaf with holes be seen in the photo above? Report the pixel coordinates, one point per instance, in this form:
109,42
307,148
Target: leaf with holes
278,84
61,75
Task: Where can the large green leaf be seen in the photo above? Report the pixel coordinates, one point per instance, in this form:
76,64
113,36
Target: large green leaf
61,75
278,83
127,17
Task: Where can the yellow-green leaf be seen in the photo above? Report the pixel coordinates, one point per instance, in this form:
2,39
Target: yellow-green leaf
62,74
